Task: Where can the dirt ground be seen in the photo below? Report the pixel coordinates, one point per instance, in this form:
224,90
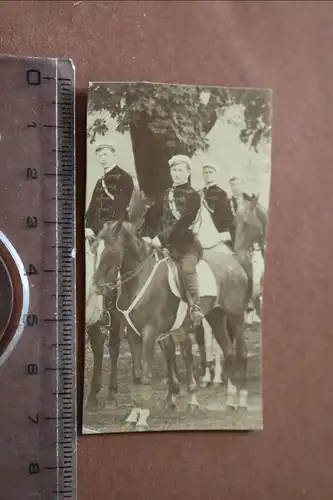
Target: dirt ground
212,413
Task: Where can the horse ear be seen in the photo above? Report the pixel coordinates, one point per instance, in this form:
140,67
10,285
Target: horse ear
116,228
254,200
137,207
134,205
113,226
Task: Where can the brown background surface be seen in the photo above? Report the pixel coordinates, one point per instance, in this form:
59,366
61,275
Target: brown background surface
286,46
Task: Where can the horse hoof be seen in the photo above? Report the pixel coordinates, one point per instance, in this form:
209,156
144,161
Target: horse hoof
217,384
91,406
142,428
231,403
137,380
241,407
145,380
170,404
204,384
111,404
243,393
193,402
128,427
231,407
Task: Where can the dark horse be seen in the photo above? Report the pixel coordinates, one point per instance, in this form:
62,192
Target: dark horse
144,278
251,229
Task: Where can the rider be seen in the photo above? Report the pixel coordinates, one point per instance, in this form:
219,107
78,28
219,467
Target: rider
179,209
112,193
217,202
109,202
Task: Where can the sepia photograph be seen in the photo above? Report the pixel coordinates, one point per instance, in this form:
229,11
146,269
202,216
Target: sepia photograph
177,203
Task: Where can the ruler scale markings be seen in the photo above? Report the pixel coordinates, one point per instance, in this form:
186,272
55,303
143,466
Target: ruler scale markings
48,89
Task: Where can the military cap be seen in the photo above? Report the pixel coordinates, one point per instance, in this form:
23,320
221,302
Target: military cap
177,159
239,178
99,147
211,166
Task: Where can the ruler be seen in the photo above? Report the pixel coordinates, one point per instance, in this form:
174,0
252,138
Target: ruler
37,279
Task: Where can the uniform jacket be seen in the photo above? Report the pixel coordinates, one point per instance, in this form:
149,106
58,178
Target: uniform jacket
110,199
179,207
220,210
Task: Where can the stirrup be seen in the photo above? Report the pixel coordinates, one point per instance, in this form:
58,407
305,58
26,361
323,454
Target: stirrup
250,306
196,314
105,320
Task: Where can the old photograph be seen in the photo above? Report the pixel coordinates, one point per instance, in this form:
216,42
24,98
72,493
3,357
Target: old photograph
177,205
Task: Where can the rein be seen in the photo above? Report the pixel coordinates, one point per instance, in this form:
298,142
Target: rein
139,296
129,275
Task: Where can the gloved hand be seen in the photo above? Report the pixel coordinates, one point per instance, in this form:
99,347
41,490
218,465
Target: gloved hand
225,236
156,242
147,239
89,233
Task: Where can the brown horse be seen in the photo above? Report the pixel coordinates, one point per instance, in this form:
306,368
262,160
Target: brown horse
146,291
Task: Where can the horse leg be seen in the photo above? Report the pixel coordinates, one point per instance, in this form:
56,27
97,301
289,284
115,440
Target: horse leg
200,335
237,325
217,364
186,351
218,321
257,305
169,351
175,368
174,363
213,370
135,344
148,349
97,340
138,416
114,346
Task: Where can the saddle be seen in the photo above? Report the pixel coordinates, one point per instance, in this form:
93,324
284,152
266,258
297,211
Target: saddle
206,279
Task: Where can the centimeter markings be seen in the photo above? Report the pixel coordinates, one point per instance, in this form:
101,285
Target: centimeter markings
56,418
66,387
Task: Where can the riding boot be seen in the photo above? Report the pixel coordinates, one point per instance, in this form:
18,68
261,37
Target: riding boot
192,286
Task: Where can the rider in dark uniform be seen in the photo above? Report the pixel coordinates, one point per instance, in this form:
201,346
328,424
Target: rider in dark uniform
178,211
109,201
217,202
112,192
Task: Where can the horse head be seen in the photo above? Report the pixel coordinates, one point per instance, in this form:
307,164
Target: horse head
106,272
137,209
124,251
251,224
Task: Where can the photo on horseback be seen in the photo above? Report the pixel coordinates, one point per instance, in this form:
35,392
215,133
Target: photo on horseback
178,183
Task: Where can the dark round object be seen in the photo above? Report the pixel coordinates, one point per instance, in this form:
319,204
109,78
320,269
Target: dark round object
6,298
11,296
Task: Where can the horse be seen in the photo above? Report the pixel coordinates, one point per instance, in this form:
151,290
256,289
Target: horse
251,232
97,330
249,247
102,324
151,308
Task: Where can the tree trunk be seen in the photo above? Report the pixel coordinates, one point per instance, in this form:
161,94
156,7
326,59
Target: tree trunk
151,159
151,156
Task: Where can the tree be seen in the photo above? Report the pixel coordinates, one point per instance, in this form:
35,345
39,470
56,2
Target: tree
257,115
164,120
